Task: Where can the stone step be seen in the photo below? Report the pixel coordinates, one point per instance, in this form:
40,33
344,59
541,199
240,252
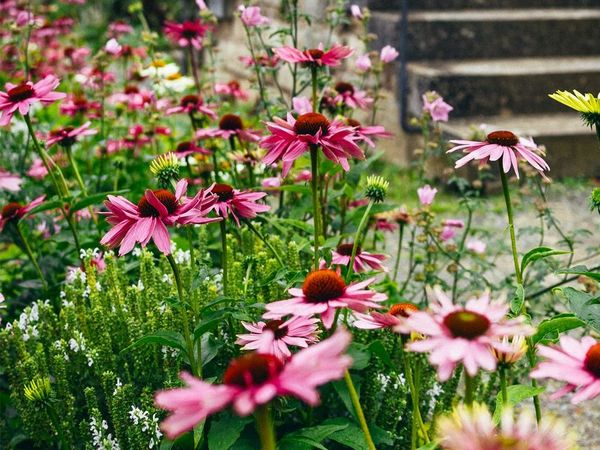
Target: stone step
501,86
396,5
507,33
569,143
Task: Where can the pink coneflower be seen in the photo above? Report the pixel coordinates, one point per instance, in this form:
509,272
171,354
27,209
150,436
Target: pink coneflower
77,104
186,34
324,291
384,224
188,148
67,136
21,96
473,428
476,246
314,56
457,334
292,138
501,144
450,227
363,63
148,220
426,195
436,107
577,363
118,28
9,181
231,89
263,60
37,170
252,17
388,54
255,379
271,182
348,95
303,176
301,105
191,104
133,97
394,318
113,47
274,336
368,133
363,261
13,212
237,203
230,125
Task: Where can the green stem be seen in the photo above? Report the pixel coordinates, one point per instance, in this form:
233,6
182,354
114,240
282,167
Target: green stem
31,257
314,183
266,242
264,424
469,387
315,99
417,419
502,369
76,170
357,239
359,411
224,254
187,335
56,422
194,70
511,225
397,265
598,133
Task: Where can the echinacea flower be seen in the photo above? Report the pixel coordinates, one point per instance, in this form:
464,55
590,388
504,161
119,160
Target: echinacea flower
67,136
22,96
113,47
237,203
187,34
292,138
255,379
229,125
148,220
231,89
315,56
363,261
191,104
388,54
501,144
324,291
473,428
517,346
587,104
188,148
457,334
251,16
393,318
348,95
9,181
13,212
274,336
577,363
426,195
436,107
366,133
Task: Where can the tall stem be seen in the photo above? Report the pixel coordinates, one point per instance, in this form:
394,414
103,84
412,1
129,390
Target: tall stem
357,239
314,183
359,411
399,252
76,170
469,387
315,97
264,424
194,69
266,242
417,419
224,254
31,257
502,369
187,335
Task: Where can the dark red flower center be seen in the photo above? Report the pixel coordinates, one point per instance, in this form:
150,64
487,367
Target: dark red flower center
21,92
11,210
234,85
466,324
190,30
346,249
63,135
342,87
323,285
190,100
131,90
311,123
223,191
314,53
252,369
403,309
231,122
184,146
592,360
165,197
353,123
276,328
504,138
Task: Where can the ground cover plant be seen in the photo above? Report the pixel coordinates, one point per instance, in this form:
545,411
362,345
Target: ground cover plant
193,262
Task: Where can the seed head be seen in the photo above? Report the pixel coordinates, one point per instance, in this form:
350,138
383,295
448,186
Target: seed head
165,168
376,188
38,389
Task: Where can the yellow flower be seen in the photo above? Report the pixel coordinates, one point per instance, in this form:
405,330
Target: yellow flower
587,104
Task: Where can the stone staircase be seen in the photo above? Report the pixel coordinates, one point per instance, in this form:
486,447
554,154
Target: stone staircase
496,61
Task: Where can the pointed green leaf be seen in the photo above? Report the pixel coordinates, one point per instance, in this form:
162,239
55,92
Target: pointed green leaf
549,329
515,395
539,253
162,337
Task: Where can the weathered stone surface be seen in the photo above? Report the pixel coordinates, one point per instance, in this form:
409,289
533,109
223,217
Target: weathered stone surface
395,5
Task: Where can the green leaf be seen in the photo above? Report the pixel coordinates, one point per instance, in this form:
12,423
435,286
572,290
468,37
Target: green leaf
515,395
310,437
299,443
516,305
430,446
539,253
377,348
46,206
226,431
549,329
93,199
584,305
163,337
360,355
211,323
581,270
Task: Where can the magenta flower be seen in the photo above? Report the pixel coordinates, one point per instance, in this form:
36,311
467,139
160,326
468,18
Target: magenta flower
237,203
188,148
20,97
191,104
148,220
388,54
368,133
351,97
314,56
450,227
437,108
251,16
230,125
395,318
292,138
271,182
67,136
577,363
324,291
187,34
13,212
301,105
363,261
77,104
426,195
501,144
456,334
231,89
9,181
274,336
255,379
